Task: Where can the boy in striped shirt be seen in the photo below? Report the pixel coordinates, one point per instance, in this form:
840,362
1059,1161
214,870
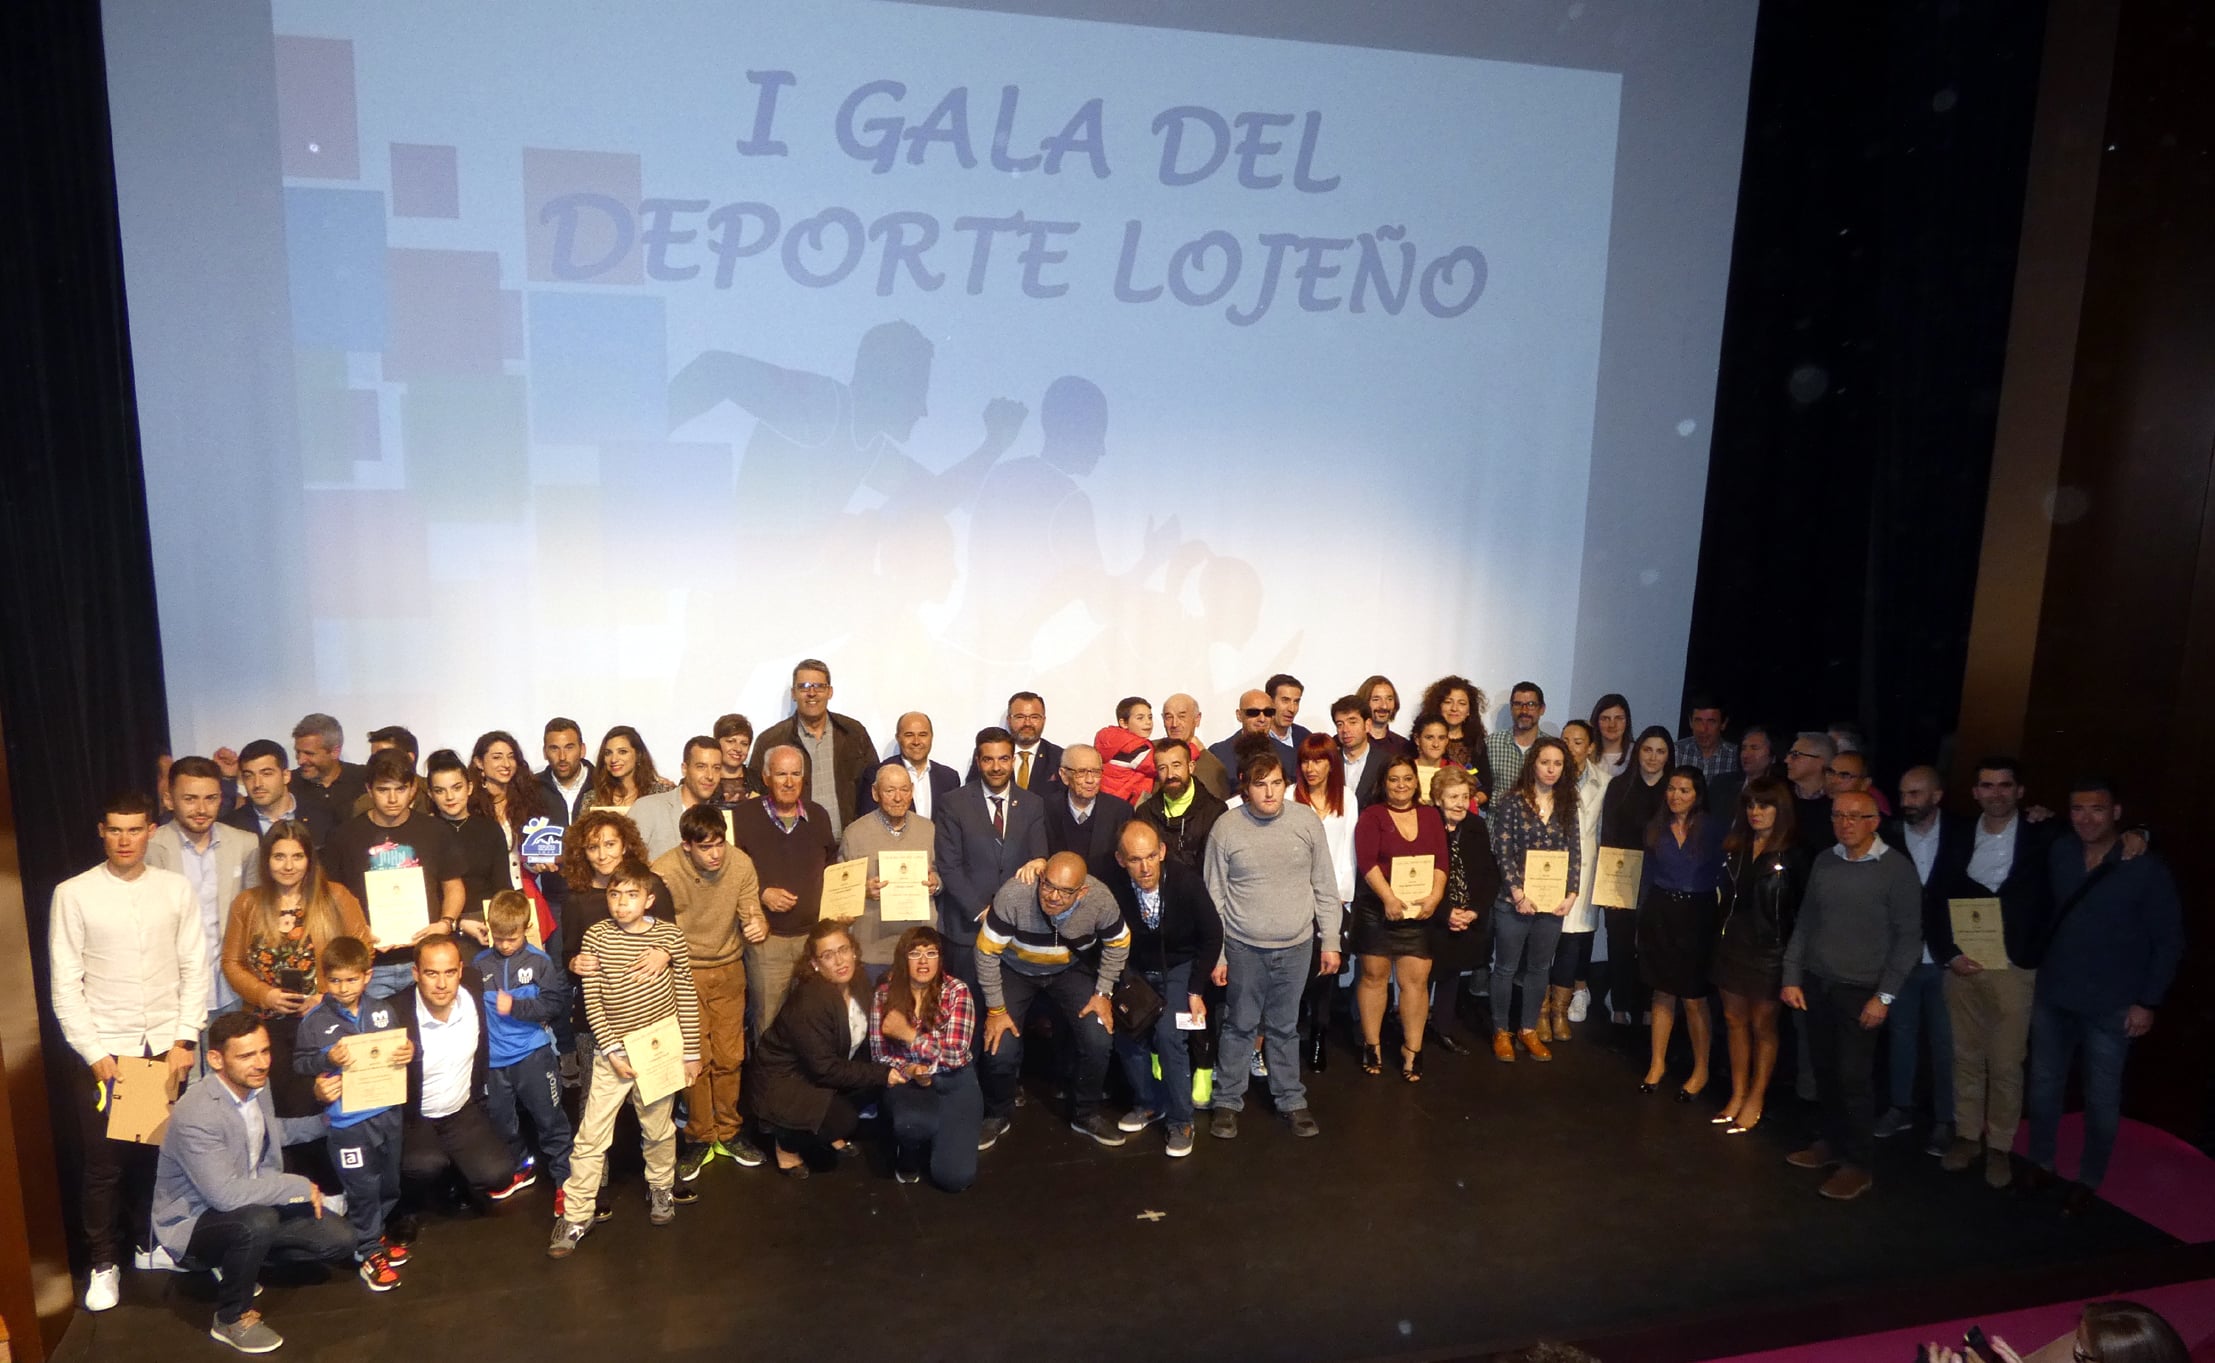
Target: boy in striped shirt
635,971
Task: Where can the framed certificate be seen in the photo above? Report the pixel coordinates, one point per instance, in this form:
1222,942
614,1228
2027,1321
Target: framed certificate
139,1100
372,1078
906,896
845,889
1545,879
395,905
1979,931
656,1054
1411,881
1615,878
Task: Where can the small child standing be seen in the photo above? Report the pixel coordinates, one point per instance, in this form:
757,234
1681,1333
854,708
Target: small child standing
525,991
364,1146
641,976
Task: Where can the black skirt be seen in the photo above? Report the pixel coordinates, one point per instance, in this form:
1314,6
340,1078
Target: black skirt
1747,966
1376,935
1676,941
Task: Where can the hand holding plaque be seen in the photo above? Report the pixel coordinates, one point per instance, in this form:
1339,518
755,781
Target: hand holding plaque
845,889
1615,879
906,896
139,1099
1412,878
1545,880
374,1075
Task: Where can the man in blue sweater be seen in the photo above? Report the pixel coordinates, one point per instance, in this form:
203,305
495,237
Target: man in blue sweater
2111,950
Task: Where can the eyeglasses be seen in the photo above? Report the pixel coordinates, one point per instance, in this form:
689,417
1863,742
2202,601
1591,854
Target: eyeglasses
1257,711
1522,705
1047,887
1803,756
1838,814
923,954
1080,771
829,954
1841,773
811,687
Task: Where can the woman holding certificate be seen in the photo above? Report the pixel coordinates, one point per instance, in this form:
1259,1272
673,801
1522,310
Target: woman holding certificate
1461,930
276,933
1400,856
1627,810
922,1021
1541,860
1764,871
812,1076
1676,921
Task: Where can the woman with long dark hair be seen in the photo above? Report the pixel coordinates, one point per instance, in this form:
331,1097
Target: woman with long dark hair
1567,996
811,1075
1764,873
1457,700
1611,734
1626,810
921,1022
1322,788
1536,814
624,772
1676,922
1392,935
271,944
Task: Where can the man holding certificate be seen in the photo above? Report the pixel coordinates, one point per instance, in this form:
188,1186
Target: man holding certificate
403,865
895,844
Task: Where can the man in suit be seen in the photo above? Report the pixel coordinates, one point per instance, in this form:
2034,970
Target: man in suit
1256,713
446,1127
1364,760
1930,836
566,778
836,749
222,1198
1082,818
1285,692
930,779
219,861
266,784
1037,763
990,831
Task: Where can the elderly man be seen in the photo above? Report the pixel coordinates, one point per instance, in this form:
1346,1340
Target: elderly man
927,779
1082,818
891,825
1180,719
1859,933
1059,939
1269,871
222,1198
835,749
790,841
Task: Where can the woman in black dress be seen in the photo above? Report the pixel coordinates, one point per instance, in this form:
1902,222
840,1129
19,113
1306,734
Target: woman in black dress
1676,921
812,1073
1764,872
1461,930
1626,811
1391,936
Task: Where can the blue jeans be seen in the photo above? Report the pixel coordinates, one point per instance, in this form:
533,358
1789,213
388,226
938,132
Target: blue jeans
533,1084
387,980
1522,953
1266,984
1171,1094
936,1126
1921,1007
2056,1034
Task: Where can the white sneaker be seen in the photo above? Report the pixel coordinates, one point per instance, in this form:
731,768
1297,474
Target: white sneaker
104,1288
1580,1003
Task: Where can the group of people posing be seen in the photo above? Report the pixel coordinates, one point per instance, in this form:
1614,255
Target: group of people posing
409,971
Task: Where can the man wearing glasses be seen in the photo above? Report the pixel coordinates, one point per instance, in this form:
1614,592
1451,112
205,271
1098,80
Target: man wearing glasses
1526,705
1256,715
1082,818
1060,939
1859,933
836,749
1804,761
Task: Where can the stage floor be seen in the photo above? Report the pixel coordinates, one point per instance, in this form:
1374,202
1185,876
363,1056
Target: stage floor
1484,1207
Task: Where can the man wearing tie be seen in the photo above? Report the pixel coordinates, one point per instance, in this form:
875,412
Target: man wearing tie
1037,763
989,831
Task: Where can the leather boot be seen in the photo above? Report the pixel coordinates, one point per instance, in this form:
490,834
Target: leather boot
1557,998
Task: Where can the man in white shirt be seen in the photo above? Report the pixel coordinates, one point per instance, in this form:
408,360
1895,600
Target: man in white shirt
446,1128
218,861
929,779
1363,771
1923,830
129,958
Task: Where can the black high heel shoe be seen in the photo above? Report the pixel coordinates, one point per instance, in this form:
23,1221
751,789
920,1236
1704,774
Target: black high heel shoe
1372,1060
1412,1071
1685,1095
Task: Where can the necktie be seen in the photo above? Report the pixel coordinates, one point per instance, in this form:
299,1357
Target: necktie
999,818
1023,771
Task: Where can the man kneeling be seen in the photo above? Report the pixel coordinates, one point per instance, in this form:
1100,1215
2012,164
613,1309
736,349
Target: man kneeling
222,1199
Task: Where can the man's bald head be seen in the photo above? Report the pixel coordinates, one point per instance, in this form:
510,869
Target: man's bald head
1138,852
1853,818
1060,884
1255,710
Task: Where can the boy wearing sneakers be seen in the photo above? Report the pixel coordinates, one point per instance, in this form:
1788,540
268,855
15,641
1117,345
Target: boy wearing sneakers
642,975
525,991
364,1146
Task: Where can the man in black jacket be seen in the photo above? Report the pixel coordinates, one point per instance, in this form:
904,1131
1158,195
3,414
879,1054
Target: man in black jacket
835,750
1080,818
1176,938
447,1127
1180,809
1929,835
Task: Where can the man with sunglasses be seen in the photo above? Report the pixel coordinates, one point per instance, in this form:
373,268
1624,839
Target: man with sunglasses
1257,714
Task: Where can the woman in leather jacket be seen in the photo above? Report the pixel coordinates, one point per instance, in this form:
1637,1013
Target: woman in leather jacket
1764,872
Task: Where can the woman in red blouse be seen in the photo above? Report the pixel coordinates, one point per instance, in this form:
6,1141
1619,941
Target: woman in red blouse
1391,934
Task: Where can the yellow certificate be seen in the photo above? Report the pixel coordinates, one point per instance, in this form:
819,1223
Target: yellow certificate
1411,881
906,896
656,1054
395,905
845,889
1979,931
1615,879
373,1076
1545,879
139,1100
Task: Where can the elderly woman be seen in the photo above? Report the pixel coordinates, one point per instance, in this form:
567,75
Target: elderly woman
811,1075
1461,930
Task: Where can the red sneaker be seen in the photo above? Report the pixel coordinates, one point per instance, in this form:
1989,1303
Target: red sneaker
397,1255
524,1178
561,1201
378,1272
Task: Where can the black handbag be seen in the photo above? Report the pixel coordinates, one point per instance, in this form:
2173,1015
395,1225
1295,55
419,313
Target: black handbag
1137,1004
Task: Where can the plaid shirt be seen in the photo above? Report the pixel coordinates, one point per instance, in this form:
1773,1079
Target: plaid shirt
944,1049
1507,758
1722,762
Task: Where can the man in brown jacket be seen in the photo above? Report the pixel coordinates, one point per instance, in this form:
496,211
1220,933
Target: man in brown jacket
716,901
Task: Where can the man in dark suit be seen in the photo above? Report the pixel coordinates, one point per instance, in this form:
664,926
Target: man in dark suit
1037,763
1285,692
566,779
1256,712
1929,835
1364,760
931,779
267,786
989,831
1082,818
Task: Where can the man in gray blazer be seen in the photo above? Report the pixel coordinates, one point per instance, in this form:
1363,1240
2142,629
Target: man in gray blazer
989,831
220,861
222,1198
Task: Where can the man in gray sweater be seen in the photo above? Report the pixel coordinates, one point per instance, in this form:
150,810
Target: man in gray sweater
1859,933
1064,940
1268,867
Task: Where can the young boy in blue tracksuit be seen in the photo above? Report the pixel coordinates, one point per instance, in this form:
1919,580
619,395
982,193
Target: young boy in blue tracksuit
525,991
364,1145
